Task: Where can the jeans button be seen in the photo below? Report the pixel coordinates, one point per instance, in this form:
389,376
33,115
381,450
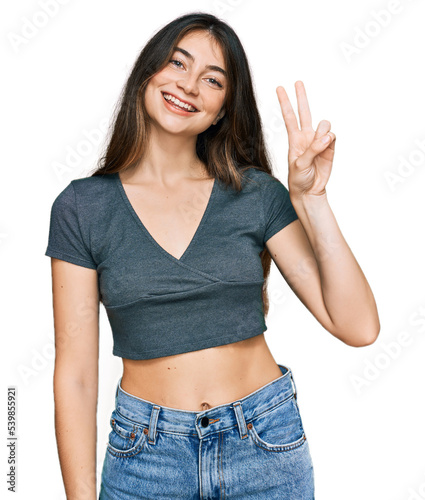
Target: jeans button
205,421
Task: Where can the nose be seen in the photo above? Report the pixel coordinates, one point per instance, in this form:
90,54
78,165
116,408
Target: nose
189,84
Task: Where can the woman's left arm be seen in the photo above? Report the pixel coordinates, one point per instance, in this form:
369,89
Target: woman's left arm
311,253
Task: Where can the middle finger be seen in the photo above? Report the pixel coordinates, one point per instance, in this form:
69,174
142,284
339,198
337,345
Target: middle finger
303,107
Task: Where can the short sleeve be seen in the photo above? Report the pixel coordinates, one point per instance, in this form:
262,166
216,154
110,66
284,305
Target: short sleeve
278,209
65,239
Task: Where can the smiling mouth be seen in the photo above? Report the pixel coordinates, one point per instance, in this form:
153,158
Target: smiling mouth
179,104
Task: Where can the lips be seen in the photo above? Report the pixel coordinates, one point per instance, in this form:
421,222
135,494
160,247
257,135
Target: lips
181,100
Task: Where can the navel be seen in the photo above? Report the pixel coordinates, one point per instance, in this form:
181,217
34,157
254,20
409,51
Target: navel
205,406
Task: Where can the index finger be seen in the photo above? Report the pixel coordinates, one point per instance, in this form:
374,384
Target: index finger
289,117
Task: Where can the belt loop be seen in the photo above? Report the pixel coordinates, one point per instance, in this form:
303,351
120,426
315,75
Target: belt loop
152,424
243,431
293,383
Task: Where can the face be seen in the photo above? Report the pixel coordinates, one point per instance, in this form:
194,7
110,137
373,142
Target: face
194,78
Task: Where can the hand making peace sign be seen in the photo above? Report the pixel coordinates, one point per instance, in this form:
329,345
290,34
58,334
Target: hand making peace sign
309,158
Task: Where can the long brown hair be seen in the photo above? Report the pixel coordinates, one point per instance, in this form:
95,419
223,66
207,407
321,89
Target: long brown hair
233,145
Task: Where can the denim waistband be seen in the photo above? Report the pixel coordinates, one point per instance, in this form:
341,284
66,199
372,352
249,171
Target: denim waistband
203,423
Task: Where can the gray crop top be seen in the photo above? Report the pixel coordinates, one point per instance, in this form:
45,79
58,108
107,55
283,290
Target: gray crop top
158,305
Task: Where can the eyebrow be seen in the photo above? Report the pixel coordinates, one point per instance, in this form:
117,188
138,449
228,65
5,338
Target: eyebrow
211,66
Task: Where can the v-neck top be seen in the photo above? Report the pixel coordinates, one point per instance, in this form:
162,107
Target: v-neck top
158,305
143,227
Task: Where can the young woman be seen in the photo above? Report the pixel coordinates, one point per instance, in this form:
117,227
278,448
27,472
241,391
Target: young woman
174,233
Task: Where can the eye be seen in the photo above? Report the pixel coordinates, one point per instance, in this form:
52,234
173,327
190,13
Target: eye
179,64
215,82
176,62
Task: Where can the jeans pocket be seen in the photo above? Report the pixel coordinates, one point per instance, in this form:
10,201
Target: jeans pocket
126,438
279,428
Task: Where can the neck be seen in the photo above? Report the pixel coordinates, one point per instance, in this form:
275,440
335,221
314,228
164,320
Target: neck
169,157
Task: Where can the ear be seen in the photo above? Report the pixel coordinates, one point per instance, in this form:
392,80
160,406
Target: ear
219,117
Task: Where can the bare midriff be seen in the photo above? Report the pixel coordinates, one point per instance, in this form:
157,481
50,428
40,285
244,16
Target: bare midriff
200,380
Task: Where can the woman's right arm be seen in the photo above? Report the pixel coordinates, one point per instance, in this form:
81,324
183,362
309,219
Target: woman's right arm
75,383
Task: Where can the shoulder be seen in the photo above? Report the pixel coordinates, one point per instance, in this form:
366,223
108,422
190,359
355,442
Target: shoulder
262,181
92,193
85,186
94,185
85,196
272,193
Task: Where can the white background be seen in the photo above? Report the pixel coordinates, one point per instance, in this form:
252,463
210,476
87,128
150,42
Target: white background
363,408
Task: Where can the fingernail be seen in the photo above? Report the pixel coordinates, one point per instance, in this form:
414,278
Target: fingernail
325,138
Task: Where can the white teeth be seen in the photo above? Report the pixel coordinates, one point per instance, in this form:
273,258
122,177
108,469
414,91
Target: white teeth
179,103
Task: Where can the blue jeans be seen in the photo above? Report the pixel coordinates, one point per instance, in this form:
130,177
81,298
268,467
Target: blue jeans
252,448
